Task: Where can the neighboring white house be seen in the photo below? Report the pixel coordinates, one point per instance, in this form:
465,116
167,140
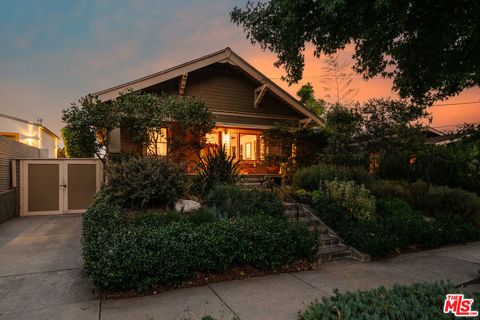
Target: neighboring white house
30,133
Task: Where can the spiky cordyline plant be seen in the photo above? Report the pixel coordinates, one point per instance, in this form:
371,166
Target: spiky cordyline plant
216,167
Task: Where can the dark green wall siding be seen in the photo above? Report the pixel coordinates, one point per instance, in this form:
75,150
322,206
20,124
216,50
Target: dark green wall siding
246,120
223,88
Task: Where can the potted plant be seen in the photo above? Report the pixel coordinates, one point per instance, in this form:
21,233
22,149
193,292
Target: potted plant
272,162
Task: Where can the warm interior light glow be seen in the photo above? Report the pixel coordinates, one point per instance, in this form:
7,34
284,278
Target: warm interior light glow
226,139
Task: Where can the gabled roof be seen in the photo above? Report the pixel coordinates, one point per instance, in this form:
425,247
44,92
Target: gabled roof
432,131
223,56
38,124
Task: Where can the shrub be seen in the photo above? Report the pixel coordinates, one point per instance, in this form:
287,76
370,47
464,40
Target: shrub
310,178
120,253
395,165
417,301
230,201
444,201
456,165
147,182
155,218
436,201
215,168
396,227
200,216
356,199
391,188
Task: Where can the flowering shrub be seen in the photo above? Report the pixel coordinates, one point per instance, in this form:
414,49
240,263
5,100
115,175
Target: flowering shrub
354,198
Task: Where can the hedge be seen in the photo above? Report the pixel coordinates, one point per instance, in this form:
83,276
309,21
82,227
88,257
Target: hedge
121,254
418,301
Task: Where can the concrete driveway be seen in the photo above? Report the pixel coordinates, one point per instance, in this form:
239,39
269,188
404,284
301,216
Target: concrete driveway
40,270
41,278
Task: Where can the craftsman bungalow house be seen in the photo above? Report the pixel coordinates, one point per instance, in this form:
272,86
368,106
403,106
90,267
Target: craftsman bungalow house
243,100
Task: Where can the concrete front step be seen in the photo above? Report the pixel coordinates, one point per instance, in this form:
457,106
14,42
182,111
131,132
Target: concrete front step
331,247
327,240
334,252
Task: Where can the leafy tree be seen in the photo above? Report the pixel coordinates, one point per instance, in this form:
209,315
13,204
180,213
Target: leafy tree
142,117
189,121
309,142
391,125
181,121
429,49
307,97
342,126
338,81
454,165
91,120
78,143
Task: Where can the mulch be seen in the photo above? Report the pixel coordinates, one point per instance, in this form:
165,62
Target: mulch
201,279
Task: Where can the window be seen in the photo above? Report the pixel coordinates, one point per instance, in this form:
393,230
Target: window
248,147
10,135
212,138
157,143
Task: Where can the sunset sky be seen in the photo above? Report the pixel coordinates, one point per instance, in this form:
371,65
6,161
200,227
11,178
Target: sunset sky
54,52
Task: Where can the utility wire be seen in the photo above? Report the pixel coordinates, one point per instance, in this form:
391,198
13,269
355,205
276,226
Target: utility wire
454,125
455,104
434,105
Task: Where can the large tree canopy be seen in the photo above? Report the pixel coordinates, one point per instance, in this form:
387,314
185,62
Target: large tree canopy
429,48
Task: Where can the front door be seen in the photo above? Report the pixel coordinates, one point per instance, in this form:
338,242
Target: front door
58,186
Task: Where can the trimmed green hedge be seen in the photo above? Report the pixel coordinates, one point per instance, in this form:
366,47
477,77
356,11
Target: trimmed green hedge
120,253
229,201
418,301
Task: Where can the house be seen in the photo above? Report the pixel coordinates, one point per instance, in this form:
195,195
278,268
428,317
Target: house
437,137
31,133
243,101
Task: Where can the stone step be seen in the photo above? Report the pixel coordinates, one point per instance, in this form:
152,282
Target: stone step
334,252
331,247
319,228
328,240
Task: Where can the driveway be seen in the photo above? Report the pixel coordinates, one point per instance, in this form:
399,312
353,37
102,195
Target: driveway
41,278
40,270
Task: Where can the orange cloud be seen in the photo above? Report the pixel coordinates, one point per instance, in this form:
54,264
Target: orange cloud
444,115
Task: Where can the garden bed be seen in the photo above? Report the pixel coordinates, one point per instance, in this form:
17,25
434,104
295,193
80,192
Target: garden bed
385,218
201,279
156,250
418,301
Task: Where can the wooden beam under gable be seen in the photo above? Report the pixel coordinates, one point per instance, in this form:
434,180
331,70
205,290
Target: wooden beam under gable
182,84
258,95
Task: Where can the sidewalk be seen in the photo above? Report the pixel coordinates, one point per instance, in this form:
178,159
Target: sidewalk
41,278
282,296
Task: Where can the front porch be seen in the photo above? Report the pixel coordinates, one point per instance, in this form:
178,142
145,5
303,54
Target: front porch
247,146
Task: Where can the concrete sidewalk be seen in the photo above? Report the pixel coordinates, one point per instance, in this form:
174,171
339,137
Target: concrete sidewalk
41,278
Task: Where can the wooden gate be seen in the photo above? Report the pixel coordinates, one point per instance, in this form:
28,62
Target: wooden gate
58,186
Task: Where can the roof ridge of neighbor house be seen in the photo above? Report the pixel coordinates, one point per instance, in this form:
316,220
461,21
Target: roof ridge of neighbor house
224,55
38,124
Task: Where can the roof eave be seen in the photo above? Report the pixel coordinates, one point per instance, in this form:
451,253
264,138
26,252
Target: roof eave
225,55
